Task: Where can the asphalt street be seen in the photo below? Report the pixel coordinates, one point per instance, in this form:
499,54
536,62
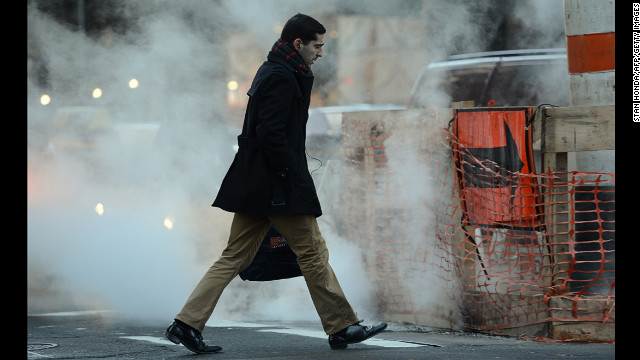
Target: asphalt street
109,335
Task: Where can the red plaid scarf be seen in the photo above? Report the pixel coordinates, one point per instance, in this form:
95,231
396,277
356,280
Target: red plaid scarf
283,50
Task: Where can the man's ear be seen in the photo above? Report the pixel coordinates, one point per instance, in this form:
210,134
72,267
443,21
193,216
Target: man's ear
296,44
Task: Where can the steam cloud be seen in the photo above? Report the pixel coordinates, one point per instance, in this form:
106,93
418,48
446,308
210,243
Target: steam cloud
125,259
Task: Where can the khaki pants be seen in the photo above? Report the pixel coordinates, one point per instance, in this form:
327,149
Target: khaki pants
304,238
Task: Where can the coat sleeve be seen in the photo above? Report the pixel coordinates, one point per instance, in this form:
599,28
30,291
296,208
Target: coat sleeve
277,96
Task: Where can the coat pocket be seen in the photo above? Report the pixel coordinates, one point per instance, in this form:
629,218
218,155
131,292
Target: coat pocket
302,186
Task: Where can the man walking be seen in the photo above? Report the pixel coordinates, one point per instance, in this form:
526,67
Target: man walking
269,183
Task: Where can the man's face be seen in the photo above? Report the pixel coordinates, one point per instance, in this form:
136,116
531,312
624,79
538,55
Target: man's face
311,51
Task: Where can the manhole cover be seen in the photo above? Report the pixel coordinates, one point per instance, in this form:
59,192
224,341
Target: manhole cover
41,346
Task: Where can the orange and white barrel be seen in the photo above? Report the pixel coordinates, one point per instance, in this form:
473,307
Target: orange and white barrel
590,31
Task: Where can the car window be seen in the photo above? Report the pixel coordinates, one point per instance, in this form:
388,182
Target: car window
528,85
508,83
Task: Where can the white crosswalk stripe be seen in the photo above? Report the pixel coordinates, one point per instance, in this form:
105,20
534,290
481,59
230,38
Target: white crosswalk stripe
152,339
322,335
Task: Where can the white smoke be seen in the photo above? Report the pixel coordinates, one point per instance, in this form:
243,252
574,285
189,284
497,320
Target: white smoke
125,258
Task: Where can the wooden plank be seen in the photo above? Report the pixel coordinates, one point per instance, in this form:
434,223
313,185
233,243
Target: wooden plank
583,318
540,115
556,208
581,128
555,198
462,104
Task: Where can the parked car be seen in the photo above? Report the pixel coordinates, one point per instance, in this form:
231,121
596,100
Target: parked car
510,78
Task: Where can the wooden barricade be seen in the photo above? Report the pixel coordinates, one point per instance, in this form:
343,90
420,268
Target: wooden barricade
401,253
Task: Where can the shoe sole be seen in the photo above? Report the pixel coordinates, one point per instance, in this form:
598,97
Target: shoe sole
340,346
344,346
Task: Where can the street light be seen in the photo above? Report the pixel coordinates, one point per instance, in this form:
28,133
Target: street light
232,85
99,209
168,222
45,99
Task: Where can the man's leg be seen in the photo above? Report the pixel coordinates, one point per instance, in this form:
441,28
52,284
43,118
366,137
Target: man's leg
247,232
304,238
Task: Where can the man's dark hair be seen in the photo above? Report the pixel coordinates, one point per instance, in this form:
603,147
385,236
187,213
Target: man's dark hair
301,26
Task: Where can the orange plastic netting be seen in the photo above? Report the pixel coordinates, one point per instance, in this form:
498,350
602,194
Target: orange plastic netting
458,229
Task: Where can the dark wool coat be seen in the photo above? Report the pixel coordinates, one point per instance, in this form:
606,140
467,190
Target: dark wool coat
269,173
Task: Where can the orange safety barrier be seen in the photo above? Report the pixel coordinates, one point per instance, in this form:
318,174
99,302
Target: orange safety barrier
491,144
520,253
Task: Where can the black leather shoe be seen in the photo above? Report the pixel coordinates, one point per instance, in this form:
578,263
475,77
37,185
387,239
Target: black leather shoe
354,334
181,333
